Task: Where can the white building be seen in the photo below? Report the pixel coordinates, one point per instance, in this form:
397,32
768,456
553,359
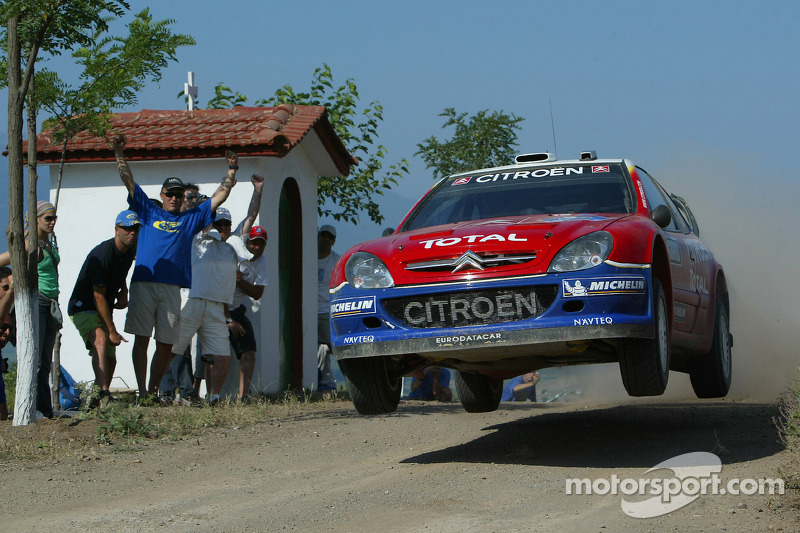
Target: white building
291,146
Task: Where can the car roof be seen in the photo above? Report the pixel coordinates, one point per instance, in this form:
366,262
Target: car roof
543,163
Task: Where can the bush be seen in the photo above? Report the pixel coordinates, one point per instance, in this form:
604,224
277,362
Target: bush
788,423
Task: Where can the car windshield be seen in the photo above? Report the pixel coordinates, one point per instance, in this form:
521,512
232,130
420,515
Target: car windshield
533,191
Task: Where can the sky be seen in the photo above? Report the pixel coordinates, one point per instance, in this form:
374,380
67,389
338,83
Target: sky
701,94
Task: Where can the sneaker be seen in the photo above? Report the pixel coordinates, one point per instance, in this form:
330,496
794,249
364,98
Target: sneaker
106,400
190,401
165,401
215,402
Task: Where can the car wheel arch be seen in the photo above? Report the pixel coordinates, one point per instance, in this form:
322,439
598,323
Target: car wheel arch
721,290
660,269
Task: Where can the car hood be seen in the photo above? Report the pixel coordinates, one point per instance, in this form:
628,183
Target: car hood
500,247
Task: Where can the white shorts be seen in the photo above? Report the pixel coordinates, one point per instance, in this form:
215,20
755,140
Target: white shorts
154,305
207,320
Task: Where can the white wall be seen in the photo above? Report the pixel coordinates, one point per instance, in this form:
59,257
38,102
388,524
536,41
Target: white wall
92,195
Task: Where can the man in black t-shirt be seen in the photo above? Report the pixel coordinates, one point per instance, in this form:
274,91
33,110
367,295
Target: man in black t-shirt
101,287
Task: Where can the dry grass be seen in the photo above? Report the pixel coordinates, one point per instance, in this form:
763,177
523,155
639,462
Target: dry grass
788,423
124,427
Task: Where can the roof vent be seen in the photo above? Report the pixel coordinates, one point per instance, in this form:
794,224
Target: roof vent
535,158
588,156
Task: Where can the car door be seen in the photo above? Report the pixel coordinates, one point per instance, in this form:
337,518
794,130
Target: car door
683,252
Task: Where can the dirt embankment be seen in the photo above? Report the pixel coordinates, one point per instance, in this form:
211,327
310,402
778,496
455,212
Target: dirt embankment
428,467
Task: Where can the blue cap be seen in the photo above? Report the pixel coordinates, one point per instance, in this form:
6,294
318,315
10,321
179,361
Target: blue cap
127,218
222,214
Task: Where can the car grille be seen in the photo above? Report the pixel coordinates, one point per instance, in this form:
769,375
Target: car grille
472,308
479,261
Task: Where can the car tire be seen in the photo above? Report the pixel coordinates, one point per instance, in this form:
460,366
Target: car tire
373,389
478,393
644,363
711,373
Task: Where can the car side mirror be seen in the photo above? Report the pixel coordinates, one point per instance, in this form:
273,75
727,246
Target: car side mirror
662,216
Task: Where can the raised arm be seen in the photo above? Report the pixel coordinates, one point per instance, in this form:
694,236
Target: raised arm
117,144
255,205
224,189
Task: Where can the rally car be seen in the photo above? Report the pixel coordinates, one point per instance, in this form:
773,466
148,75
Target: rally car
546,262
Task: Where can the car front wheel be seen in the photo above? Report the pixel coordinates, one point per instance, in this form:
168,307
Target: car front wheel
711,373
478,393
644,363
373,387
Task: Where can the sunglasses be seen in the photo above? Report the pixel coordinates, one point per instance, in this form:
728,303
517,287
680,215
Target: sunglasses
222,222
170,194
50,218
129,229
5,286
191,196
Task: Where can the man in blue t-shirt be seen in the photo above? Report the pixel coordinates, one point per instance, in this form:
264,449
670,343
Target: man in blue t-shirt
432,383
521,388
163,263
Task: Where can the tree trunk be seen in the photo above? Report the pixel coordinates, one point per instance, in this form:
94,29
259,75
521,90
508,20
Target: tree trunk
23,263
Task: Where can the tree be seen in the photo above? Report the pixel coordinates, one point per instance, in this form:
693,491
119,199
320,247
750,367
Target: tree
225,98
355,193
339,197
114,69
480,141
54,27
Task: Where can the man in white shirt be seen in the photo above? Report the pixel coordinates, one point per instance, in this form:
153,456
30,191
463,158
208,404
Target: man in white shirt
327,258
251,279
214,265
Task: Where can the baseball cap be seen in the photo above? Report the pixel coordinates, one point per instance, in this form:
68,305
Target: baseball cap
257,232
223,214
327,227
173,183
127,219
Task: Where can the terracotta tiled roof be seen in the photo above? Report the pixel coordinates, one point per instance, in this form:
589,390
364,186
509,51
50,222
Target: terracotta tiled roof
154,135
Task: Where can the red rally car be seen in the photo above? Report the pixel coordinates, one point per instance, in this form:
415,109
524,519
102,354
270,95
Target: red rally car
501,271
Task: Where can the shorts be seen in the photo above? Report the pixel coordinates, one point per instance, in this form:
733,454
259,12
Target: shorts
324,329
87,322
207,319
242,343
154,305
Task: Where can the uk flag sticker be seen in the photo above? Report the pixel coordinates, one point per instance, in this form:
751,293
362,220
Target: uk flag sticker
601,169
461,181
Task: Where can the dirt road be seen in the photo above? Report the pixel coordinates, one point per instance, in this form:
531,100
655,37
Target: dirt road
428,467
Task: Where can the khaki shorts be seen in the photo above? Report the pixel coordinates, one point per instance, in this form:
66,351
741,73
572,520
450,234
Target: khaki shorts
207,319
87,322
154,305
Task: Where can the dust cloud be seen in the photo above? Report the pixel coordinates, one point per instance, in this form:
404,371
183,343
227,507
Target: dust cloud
748,216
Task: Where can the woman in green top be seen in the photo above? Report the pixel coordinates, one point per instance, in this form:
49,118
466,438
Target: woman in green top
49,312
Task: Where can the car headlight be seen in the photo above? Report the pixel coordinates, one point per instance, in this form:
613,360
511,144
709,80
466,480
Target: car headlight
582,253
366,271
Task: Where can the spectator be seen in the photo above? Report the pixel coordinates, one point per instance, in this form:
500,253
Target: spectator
50,319
6,331
163,264
99,289
251,279
432,383
179,375
327,258
213,283
521,388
